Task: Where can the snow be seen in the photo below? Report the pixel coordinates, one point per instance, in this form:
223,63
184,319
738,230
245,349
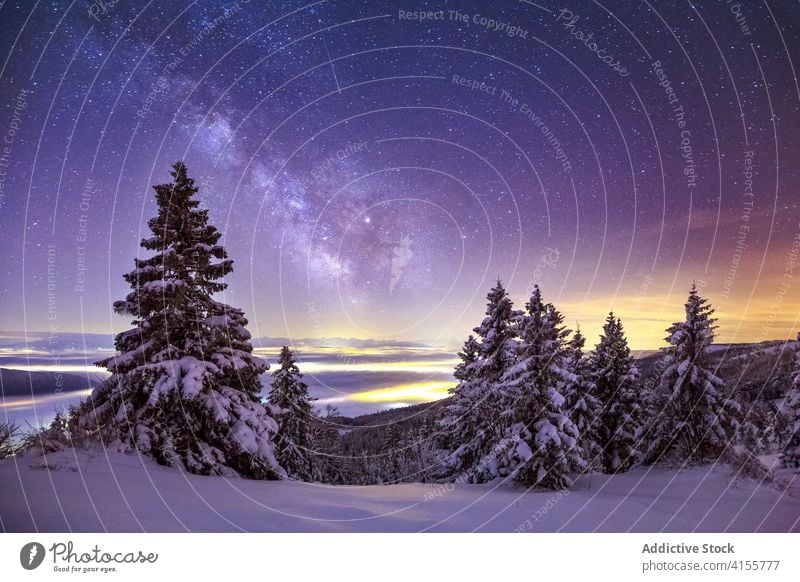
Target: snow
119,492
546,433
556,398
162,285
524,452
218,320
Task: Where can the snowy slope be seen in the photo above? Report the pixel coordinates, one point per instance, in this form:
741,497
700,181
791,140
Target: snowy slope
120,493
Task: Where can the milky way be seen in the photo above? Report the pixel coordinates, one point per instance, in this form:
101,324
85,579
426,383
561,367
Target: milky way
375,166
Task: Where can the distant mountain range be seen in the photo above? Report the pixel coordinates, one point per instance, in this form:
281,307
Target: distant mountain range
23,383
759,371
93,342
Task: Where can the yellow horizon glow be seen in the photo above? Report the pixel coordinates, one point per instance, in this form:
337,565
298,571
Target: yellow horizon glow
646,319
16,402
414,391
349,351
56,368
420,367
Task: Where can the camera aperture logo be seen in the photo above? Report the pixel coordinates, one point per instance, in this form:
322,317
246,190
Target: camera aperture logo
401,255
31,555
68,559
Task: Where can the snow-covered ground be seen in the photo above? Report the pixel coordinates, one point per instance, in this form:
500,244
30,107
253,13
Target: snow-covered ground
116,492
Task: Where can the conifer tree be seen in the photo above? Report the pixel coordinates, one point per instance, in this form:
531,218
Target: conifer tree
393,453
184,384
583,406
8,434
475,419
540,442
790,455
465,370
291,406
330,458
695,418
422,457
615,378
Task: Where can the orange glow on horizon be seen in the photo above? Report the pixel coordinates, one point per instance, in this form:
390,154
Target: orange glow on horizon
416,392
19,402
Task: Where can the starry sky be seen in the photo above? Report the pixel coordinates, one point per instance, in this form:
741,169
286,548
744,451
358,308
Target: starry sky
375,166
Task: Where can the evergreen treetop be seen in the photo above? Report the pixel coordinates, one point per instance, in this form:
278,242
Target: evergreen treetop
185,384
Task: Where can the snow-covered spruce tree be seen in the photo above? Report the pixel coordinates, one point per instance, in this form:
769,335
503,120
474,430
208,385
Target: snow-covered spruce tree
696,420
474,421
291,406
540,442
790,454
392,456
616,388
8,435
185,384
465,370
583,406
329,454
420,441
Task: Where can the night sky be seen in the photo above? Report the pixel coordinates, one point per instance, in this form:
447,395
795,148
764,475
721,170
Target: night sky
374,172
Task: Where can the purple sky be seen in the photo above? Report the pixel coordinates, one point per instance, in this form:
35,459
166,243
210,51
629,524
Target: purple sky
374,173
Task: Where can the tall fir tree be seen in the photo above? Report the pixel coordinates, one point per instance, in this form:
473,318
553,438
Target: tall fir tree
583,406
468,355
790,453
540,444
291,406
474,421
694,418
330,458
393,455
423,454
184,386
621,405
